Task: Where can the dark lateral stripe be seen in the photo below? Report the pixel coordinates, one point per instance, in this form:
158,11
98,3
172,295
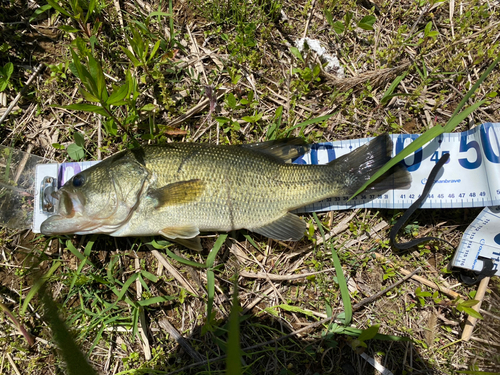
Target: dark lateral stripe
139,155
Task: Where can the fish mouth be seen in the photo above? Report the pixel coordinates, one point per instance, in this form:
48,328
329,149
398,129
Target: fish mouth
69,217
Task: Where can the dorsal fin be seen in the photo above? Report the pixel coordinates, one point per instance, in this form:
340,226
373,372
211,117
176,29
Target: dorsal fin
284,149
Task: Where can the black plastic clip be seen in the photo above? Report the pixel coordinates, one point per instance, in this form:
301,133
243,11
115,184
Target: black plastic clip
474,277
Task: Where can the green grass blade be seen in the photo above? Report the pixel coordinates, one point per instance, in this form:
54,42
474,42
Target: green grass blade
211,293
233,360
291,308
184,260
153,300
388,95
56,6
215,250
346,298
75,278
75,361
135,321
251,241
90,244
211,275
127,284
38,284
74,251
473,89
309,122
457,119
149,276
344,291
428,136
86,108
163,245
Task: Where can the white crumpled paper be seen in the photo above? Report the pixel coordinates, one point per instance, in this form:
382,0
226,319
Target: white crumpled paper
315,45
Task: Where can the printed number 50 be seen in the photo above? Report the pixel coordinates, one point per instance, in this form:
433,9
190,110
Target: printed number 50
466,146
488,136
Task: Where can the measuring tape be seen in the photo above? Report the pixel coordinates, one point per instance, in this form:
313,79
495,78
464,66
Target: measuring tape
481,241
470,178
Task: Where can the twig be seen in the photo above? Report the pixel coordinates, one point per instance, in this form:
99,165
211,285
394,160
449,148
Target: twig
310,326
13,364
169,328
194,48
382,292
452,11
23,162
274,277
120,20
257,300
173,271
493,316
424,281
311,11
38,69
471,321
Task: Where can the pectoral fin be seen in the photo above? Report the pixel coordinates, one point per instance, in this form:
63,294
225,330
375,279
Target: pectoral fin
185,236
287,228
178,193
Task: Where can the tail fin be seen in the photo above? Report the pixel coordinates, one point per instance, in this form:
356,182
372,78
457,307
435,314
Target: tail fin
362,163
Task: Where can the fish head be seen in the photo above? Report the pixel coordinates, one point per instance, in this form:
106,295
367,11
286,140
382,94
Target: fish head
99,199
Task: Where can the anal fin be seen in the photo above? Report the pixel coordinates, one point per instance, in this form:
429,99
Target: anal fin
287,228
190,243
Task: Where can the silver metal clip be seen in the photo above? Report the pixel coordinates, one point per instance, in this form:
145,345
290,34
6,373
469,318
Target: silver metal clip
47,201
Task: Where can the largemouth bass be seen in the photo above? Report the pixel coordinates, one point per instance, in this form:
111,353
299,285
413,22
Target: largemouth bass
178,190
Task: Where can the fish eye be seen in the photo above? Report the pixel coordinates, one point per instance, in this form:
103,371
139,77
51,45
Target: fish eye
78,180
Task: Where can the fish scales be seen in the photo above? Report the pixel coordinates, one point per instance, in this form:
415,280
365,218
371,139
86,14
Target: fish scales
244,188
181,189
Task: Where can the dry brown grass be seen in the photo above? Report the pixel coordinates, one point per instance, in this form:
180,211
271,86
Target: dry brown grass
269,274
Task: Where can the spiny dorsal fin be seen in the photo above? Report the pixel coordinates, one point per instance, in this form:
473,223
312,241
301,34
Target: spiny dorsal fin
178,193
287,228
284,149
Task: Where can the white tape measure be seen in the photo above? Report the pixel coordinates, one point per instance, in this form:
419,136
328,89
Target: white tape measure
471,178
480,241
